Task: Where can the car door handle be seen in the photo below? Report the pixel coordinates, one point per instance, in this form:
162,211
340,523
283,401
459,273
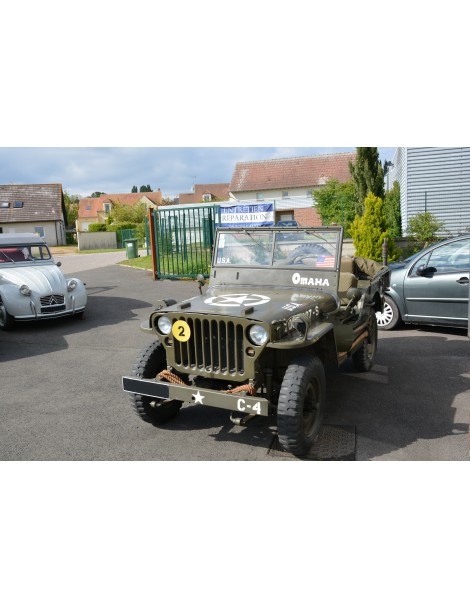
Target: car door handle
462,280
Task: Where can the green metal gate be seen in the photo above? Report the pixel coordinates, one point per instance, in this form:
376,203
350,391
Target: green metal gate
184,239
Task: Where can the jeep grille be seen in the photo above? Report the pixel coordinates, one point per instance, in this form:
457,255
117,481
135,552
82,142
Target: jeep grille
215,345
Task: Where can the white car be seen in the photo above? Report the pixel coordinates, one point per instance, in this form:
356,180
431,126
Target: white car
31,284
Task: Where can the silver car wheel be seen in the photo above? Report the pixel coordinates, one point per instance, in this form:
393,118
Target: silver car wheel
385,318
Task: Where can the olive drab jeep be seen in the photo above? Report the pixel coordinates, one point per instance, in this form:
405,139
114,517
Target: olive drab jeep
282,304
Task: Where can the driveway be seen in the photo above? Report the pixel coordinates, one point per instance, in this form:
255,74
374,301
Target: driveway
62,396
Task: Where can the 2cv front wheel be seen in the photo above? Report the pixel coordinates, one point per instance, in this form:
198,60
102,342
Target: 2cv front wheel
301,405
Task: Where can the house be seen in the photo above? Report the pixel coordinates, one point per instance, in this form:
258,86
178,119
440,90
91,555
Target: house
205,193
33,208
290,182
94,210
434,180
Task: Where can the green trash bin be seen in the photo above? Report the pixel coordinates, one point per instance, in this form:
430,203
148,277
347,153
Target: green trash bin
131,248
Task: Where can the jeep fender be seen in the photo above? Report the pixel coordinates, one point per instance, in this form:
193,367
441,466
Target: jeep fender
321,337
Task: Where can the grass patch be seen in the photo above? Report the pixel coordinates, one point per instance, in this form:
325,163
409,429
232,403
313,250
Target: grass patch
144,262
103,251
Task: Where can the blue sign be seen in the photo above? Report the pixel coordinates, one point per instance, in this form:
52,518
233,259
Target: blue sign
256,214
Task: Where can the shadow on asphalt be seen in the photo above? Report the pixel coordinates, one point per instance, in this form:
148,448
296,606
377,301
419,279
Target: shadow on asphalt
409,395
31,338
410,392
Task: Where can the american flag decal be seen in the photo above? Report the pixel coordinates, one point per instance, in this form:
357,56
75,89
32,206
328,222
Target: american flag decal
325,262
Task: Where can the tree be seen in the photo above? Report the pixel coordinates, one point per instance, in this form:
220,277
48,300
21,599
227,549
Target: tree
127,213
71,208
134,189
424,228
337,203
96,195
367,173
146,188
392,210
369,231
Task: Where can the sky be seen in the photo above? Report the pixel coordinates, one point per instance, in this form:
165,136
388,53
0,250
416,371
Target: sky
173,170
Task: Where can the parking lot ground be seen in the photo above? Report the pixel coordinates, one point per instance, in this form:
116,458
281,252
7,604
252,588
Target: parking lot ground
62,397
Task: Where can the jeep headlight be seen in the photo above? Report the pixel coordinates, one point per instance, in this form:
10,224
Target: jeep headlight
258,335
71,285
297,327
164,325
24,289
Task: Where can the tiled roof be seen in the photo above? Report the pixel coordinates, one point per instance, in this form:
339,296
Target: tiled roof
219,191
295,172
41,202
97,204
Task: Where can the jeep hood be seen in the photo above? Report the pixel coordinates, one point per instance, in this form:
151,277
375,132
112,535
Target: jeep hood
263,304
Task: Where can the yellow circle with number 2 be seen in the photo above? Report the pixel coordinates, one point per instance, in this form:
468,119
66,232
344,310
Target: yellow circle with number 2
181,331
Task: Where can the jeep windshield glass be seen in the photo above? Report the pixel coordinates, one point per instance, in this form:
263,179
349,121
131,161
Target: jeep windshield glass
244,248
316,249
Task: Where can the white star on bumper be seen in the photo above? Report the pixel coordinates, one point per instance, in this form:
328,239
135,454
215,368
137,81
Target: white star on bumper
198,397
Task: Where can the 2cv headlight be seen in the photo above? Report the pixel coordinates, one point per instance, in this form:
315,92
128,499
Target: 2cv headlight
258,335
25,290
164,324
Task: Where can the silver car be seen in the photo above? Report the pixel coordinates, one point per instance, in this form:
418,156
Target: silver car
31,284
430,287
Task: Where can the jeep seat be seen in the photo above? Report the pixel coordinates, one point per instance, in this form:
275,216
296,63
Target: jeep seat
347,278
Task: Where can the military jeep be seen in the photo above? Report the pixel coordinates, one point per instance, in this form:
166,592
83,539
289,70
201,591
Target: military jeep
282,305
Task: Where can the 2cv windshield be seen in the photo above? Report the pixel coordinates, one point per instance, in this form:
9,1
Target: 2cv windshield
24,253
316,249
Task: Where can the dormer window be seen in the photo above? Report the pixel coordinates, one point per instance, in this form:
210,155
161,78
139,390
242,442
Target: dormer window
107,208
207,198
18,204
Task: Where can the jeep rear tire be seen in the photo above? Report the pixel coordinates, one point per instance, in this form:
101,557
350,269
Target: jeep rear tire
149,363
301,405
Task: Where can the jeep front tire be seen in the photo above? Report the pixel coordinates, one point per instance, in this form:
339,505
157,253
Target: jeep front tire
301,404
149,363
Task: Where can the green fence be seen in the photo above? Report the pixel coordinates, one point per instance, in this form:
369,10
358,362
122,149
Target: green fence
184,239
126,233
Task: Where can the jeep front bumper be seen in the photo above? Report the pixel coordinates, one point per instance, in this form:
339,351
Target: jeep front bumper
157,390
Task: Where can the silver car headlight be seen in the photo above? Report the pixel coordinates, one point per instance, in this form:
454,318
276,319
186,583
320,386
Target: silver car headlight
24,289
164,325
71,285
258,335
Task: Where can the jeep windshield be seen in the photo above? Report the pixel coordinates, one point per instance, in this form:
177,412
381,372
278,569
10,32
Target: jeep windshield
314,248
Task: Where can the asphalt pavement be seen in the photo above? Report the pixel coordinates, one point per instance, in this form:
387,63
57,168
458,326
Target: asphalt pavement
61,396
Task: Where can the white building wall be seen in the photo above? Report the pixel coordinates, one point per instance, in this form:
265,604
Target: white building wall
270,194
54,232
436,180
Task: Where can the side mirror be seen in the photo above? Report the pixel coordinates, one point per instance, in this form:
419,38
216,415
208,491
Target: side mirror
58,263
425,271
